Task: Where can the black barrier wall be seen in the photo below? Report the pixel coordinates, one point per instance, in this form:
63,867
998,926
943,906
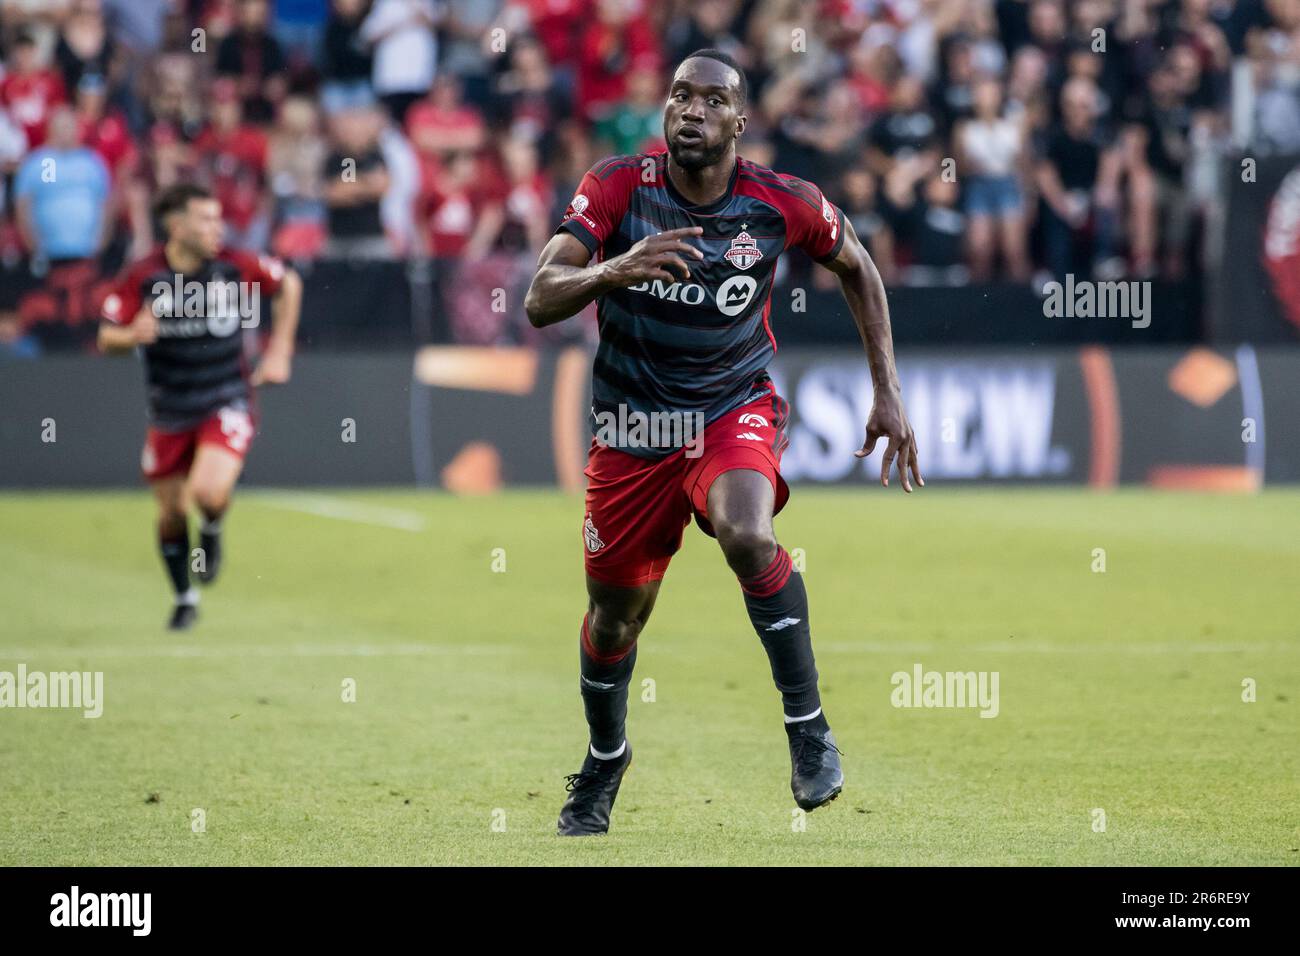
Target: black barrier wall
470,419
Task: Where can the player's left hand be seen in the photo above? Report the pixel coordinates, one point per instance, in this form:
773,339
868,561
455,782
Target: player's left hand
888,420
274,369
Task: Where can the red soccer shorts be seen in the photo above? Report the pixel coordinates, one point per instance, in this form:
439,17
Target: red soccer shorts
637,508
168,453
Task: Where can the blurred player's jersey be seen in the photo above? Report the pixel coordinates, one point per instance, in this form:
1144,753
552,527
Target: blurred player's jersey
701,346
197,365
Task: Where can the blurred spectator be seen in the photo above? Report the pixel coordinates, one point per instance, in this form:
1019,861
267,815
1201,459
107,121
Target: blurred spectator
355,182
991,148
442,122
1158,146
138,25
906,134
296,156
253,59
85,47
397,208
61,196
347,60
174,120
861,207
528,100
104,128
1078,177
468,51
232,164
31,88
299,28
401,35
617,41
636,123
931,224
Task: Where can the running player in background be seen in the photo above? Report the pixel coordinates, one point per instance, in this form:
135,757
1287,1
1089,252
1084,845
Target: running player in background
686,244
186,305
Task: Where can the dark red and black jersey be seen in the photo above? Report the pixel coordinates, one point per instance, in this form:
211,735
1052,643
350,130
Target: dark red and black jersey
700,346
197,364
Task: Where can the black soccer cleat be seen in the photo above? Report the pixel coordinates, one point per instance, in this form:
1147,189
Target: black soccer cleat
183,617
211,545
591,795
815,775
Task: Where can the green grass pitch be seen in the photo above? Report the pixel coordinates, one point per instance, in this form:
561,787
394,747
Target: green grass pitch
1120,692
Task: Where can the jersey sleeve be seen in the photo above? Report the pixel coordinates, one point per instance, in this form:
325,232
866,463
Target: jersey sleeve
813,222
596,209
124,298
266,271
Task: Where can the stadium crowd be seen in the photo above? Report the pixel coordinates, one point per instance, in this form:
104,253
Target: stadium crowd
968,140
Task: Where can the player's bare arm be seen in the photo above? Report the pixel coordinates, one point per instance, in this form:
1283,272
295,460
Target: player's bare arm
116,339
564,283
275,367
865,294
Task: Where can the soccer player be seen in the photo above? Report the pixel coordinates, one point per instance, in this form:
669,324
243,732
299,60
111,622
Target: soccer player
686,245
186,305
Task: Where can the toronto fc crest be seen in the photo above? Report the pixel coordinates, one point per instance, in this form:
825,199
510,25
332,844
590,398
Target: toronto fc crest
744,251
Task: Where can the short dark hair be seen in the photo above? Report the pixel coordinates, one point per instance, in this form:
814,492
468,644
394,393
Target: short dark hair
175,198
727,60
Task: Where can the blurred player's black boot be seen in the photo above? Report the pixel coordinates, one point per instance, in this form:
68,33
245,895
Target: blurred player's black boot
591,794
184,614
210,542
815,775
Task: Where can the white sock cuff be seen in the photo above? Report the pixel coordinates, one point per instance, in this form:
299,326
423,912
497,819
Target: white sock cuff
610,756
191,596
799,720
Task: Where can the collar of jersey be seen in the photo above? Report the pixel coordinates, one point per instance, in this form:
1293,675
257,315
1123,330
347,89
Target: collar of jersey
710,207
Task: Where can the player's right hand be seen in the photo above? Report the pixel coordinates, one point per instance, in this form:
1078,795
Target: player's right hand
145,327
662,256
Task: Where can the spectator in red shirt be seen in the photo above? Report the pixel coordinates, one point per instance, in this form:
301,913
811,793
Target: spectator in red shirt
102,128
232,160
616,42
31,90
441,123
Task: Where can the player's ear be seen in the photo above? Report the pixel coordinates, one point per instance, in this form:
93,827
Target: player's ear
740,124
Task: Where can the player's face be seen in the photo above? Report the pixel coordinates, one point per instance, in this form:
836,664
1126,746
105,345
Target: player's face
199,227
704,117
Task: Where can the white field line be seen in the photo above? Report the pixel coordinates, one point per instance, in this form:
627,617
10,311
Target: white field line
260,650
341,509
1039,647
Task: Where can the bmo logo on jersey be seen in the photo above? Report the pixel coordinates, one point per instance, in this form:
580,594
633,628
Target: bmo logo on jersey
732,297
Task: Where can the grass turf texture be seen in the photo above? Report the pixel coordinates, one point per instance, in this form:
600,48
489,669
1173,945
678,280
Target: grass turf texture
1119,690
